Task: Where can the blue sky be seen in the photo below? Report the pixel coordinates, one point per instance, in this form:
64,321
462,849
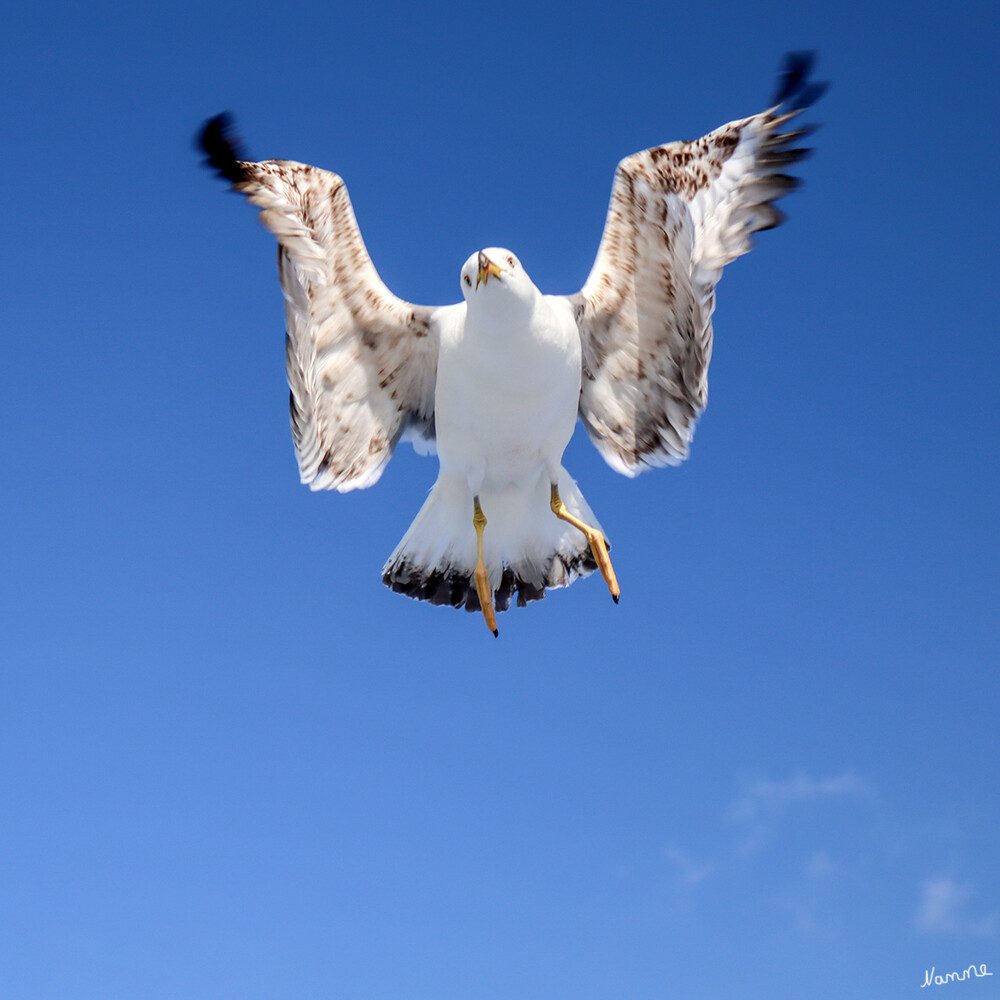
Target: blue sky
232,764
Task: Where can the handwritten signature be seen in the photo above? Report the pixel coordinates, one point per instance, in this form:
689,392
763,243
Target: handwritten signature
953,977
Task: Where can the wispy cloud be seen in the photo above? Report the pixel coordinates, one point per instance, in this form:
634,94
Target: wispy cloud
810,899
762,802
944,907
765,798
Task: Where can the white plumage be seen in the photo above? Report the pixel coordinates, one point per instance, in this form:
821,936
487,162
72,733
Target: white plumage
508,386
497,381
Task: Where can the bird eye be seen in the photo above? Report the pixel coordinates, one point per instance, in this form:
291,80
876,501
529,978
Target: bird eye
468,280
510,260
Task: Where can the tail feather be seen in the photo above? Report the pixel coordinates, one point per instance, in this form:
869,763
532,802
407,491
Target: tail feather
527,550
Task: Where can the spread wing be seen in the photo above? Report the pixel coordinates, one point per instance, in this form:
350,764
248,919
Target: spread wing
679,213
362,363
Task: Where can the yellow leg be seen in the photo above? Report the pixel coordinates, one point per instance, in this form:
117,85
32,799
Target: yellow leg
481,576
597,542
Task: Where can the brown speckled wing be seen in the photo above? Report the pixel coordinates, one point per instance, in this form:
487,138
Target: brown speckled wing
678,214
362,363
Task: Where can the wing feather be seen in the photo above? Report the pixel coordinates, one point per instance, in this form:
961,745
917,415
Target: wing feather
678,214
362,363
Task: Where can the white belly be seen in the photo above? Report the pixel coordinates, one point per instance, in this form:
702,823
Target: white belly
506,398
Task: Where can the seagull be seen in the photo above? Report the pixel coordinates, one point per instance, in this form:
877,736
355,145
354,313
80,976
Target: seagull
494,384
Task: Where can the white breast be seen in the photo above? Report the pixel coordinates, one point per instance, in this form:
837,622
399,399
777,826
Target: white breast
508,388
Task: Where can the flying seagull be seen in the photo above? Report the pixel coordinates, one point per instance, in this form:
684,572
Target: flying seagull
495,383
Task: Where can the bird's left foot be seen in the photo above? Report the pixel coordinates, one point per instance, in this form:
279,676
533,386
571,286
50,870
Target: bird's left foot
596,540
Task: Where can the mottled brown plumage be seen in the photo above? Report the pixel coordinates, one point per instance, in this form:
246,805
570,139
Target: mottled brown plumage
678,214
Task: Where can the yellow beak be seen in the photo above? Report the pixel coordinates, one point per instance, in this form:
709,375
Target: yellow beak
486,268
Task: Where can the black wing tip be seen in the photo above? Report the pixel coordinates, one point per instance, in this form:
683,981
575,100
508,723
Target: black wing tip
794,86
219,141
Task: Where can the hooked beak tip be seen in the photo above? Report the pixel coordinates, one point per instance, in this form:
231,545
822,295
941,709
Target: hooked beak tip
486,268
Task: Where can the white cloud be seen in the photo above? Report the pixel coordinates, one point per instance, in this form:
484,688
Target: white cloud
761,798
762,801
944,907
809,899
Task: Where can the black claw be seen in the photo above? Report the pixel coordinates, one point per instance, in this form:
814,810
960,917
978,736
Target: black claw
614,597
496,633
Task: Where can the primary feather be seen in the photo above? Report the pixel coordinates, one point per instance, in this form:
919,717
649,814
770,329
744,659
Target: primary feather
678,214
361,362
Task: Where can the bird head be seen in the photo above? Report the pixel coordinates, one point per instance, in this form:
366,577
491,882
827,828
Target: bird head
493,268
